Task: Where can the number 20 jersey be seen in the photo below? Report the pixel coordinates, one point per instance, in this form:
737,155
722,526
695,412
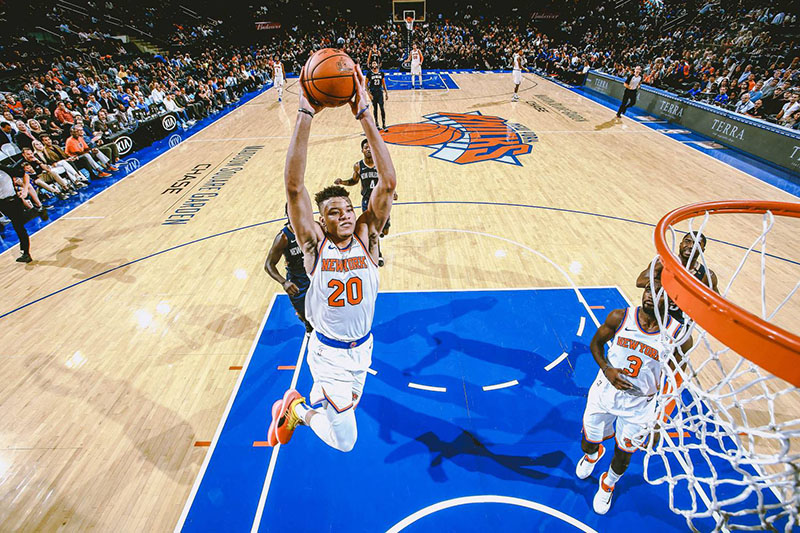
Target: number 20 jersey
340,302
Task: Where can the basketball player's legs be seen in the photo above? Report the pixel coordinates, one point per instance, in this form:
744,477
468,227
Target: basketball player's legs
630,435
598,425
377,101
279,86
517,76
336,390
380,102
416,71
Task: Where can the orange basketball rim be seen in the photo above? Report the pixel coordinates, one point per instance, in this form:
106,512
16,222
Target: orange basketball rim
767,345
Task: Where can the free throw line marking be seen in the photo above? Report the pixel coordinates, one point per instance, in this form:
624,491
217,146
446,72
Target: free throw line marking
427,387
501,385
552,365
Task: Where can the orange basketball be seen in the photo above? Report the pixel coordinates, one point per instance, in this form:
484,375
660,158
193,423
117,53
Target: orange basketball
422,134
328,77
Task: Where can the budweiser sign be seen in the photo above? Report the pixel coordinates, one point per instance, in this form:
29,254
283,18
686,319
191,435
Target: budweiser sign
268,25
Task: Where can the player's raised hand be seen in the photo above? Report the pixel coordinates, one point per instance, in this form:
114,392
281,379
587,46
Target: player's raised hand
360,99
617,378
305,101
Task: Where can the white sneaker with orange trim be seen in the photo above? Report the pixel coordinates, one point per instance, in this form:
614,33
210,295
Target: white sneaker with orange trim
602,499
585,466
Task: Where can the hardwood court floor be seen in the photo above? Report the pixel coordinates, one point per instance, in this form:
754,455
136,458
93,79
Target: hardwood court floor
108,385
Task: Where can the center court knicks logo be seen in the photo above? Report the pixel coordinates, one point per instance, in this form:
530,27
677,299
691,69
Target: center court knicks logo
465,137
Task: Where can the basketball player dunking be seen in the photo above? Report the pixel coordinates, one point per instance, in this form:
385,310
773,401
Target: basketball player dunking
516,72
624,390
278,78
340,302
415,57
365,172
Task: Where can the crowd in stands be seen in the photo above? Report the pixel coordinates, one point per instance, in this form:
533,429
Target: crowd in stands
61,124
61,113
741,56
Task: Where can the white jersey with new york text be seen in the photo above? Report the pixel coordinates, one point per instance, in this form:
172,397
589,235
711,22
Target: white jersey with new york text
638,353
340,302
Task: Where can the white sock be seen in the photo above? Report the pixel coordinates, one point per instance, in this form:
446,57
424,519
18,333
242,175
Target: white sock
611,478
593,457
300,409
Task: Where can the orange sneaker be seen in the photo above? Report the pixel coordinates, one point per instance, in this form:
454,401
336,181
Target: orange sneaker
287,421
272,438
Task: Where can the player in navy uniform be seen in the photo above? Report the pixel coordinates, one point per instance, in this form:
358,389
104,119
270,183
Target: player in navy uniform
296,281
366,172
374,55
696,267
376,83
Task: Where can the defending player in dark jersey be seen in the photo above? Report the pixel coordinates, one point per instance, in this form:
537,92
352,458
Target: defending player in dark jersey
376,83
696,267
296,281
364,171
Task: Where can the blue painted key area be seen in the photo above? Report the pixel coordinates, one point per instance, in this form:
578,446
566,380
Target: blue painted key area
515,448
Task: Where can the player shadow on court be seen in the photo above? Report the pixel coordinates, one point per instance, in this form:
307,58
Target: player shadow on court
146,423
465,395
419,321
445,344
608,124
464,450
86,268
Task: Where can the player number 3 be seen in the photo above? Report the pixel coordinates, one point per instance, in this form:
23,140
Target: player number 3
636,364
353,292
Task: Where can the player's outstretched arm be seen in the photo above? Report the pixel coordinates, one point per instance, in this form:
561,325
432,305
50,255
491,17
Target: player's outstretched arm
354,179
301,213
604,334
644,276
380,202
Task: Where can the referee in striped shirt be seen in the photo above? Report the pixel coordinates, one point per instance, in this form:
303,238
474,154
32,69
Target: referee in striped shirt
632,83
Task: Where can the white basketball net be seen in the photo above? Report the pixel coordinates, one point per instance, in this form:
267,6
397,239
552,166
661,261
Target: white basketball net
728,432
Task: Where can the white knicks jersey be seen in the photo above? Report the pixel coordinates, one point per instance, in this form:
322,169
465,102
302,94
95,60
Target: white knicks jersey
278,70
518,62
637,353
340,302
416,57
